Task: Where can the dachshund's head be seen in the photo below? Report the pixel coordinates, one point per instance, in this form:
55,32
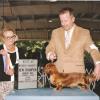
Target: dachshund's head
50,68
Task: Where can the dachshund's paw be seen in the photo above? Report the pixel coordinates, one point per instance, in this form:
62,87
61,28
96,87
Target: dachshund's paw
55,89
58,88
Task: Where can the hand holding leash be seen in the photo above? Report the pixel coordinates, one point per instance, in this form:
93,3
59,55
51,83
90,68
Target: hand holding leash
52,56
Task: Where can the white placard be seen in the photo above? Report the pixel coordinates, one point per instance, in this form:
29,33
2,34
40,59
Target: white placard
27,73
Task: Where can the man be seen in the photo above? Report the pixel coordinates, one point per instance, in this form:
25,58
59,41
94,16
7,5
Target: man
68,44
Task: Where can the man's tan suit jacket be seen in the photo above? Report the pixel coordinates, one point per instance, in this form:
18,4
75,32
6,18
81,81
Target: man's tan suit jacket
71,59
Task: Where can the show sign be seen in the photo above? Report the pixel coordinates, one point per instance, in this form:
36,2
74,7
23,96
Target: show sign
27,73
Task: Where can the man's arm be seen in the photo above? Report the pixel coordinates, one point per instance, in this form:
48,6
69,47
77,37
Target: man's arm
51,48
93,50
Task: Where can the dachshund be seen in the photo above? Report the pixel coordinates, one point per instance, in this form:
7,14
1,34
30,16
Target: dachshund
60,80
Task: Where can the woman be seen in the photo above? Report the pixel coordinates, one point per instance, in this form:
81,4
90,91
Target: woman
8,60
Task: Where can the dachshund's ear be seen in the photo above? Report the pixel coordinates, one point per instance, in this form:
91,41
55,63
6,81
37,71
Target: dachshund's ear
44,66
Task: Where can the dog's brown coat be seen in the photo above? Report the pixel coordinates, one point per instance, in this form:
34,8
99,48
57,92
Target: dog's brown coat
61,80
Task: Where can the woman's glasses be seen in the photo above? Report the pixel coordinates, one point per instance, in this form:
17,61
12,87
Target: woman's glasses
10,37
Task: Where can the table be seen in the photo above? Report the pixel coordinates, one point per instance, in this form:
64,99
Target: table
52,94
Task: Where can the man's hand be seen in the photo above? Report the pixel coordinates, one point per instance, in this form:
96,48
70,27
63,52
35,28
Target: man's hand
97,71
51,56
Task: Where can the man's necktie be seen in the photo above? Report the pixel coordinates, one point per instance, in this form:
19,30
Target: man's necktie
67,39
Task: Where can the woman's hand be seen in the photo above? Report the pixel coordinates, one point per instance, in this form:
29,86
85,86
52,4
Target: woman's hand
10,71
3,52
